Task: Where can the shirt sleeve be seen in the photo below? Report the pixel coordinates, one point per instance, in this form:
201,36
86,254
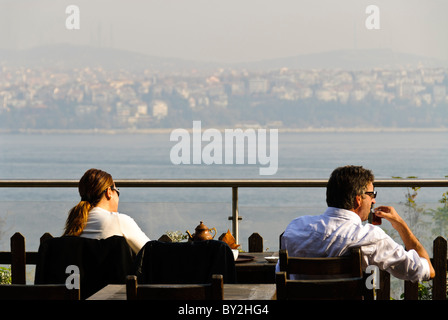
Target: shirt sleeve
393,258
135,237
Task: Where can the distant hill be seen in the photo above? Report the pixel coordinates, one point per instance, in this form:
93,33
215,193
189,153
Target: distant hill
70,56
350,60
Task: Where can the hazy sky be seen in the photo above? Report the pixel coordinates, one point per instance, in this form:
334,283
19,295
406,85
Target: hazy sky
229,30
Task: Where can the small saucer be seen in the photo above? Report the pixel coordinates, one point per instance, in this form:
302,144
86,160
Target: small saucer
271,259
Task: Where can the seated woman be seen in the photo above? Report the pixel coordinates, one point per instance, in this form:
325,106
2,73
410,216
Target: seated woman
96,215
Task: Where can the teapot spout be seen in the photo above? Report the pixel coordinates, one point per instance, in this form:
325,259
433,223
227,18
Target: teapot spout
190,237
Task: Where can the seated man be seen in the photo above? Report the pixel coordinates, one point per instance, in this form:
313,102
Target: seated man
350,196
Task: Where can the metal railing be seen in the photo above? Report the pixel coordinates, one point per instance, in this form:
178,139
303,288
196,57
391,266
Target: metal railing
234,184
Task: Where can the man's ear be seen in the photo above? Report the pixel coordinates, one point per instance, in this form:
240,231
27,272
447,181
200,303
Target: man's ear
358,201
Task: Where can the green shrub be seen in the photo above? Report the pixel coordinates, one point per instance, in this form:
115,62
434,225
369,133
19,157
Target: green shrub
5,275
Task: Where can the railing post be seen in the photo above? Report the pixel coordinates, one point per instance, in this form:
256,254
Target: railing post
235,217
18,259
255,242
440,267
410,290
383,292
45,236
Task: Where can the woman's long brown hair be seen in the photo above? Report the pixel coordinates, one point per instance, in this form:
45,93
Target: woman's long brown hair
91,188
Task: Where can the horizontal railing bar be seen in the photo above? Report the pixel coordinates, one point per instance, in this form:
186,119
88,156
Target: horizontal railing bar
147,183
31,257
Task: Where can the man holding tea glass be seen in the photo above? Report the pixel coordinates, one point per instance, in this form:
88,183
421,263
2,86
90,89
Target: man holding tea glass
350,197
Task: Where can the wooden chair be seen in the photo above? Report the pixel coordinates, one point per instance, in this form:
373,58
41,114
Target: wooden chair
211,291
320,278
319,268
38,292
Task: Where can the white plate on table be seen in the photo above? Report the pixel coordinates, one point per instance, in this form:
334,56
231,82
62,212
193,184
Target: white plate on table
271,259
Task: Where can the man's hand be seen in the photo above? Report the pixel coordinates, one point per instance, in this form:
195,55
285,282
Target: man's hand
409,240
390,214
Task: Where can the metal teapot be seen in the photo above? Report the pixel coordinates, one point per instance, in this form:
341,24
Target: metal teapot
202,233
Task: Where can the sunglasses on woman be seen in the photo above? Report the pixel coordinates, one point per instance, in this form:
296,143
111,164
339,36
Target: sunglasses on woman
114,189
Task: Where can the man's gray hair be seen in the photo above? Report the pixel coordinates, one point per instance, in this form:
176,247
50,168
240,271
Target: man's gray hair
345,184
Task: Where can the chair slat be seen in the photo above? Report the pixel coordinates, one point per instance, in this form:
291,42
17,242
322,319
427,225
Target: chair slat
323,289
210,291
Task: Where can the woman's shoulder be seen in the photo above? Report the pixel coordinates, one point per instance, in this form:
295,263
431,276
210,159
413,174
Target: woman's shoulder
124,217
102,213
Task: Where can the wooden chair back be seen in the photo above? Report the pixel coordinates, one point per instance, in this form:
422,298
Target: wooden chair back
38,292
209,291
319,268
326,278
323,289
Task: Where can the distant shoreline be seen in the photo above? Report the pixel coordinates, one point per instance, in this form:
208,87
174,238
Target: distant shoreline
169,130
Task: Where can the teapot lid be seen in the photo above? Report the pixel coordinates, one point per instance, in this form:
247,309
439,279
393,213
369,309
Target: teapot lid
201,226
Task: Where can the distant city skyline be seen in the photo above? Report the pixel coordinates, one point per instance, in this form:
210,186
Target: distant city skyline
99,98
231,30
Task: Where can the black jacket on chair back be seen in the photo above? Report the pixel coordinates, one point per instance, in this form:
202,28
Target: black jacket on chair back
184,262
100,262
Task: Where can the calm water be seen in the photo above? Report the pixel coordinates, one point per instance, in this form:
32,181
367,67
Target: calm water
301,155
147,156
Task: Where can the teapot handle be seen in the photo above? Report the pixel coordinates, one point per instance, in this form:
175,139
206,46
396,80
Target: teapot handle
214,233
